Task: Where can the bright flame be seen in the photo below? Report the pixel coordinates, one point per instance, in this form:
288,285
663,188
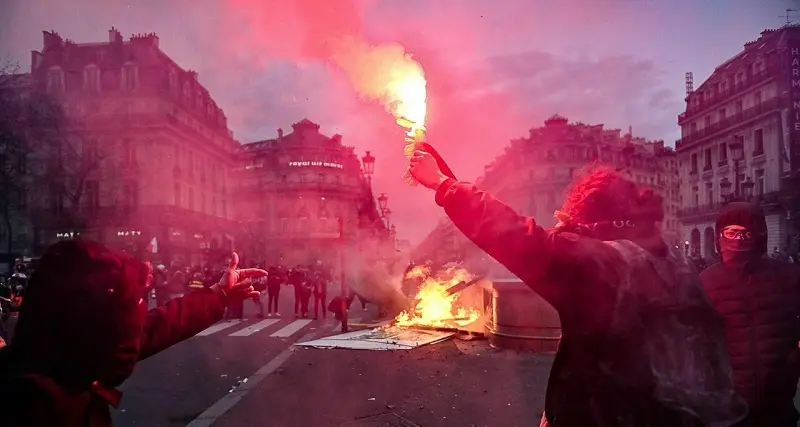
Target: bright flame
433,306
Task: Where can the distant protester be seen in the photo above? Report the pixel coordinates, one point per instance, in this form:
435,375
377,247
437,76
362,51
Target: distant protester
85,325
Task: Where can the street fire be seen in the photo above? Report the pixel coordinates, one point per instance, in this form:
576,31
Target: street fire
434,305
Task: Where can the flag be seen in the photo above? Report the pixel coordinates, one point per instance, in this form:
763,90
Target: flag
153,246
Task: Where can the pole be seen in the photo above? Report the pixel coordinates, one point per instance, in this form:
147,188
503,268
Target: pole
343,285
736,179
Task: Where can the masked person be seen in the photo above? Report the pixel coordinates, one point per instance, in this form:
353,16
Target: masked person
759,299
62,366
641,344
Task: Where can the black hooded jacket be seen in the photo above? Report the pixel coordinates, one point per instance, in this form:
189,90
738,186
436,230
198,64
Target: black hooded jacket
81,331
759,299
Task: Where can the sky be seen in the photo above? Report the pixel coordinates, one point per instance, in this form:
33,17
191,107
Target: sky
493,69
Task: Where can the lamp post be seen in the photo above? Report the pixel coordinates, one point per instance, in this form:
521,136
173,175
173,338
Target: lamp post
387,214
383,201
737,152
368,163
343,286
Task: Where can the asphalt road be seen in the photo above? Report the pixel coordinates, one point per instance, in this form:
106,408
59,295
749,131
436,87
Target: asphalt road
174,387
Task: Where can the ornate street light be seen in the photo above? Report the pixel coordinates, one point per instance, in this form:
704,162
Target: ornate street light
368,161
386,214
725,190
747,188
383,200
737,148
737,152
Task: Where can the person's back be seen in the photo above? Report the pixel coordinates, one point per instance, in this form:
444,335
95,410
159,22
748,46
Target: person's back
641,345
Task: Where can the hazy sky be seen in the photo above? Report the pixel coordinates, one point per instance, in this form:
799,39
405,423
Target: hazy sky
494,69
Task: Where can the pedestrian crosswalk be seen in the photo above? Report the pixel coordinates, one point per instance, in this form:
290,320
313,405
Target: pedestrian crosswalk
273,328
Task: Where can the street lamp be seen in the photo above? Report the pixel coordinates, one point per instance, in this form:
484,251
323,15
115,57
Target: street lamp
368,162
725,190
383,200
747,189
737,152
386,214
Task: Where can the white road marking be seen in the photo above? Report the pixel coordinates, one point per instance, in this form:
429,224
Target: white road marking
210,415
255,327
218,327
291,328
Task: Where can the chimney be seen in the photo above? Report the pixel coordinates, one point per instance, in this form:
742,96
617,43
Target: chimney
280,133
531,133
114,36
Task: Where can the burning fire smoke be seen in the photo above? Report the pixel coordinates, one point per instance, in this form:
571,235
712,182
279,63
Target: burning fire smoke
433,306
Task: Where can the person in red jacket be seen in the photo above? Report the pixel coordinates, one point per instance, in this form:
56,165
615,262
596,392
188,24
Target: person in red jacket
85,325
759,299
641,344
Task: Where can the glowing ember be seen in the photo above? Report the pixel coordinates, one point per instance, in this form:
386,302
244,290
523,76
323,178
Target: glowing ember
434,307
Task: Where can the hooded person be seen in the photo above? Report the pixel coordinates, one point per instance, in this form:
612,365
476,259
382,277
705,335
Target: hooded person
641,344
759,300
84,327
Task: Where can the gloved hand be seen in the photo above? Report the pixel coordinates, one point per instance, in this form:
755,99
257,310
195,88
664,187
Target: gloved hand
241,291
235,284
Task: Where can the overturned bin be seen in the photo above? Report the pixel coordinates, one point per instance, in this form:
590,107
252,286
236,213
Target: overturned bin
517,317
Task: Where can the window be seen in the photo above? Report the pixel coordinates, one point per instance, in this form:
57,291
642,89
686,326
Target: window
722,114
128,152
321,178
91,79
739,107
55,81
91,195
693,128
89,153
710,193
302,178
723,153
202,202
696,195
758,142
760,185
191,199
707,121
130,77
693,169
757,97
173,83
131,193
177,201
707,159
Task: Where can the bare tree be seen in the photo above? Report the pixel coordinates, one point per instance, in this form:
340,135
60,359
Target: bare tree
12,152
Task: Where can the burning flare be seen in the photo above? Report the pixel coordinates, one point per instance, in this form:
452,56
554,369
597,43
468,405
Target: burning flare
387,73
433,306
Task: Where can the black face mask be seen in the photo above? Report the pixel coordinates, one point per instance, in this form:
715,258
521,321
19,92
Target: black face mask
736,245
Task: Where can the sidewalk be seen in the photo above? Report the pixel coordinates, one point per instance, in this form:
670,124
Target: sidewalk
454,383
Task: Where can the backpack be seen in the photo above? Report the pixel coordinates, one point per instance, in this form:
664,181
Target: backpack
680,336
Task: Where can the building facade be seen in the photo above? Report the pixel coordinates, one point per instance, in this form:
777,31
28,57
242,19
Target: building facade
534,172
149,151
739,132
292,191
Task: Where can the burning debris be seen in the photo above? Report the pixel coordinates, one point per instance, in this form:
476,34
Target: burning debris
436,303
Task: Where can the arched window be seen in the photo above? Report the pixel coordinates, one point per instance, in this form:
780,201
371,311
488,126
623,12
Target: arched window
55,80
91,78
129,77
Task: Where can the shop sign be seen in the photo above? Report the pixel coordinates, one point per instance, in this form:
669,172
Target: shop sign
306,163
